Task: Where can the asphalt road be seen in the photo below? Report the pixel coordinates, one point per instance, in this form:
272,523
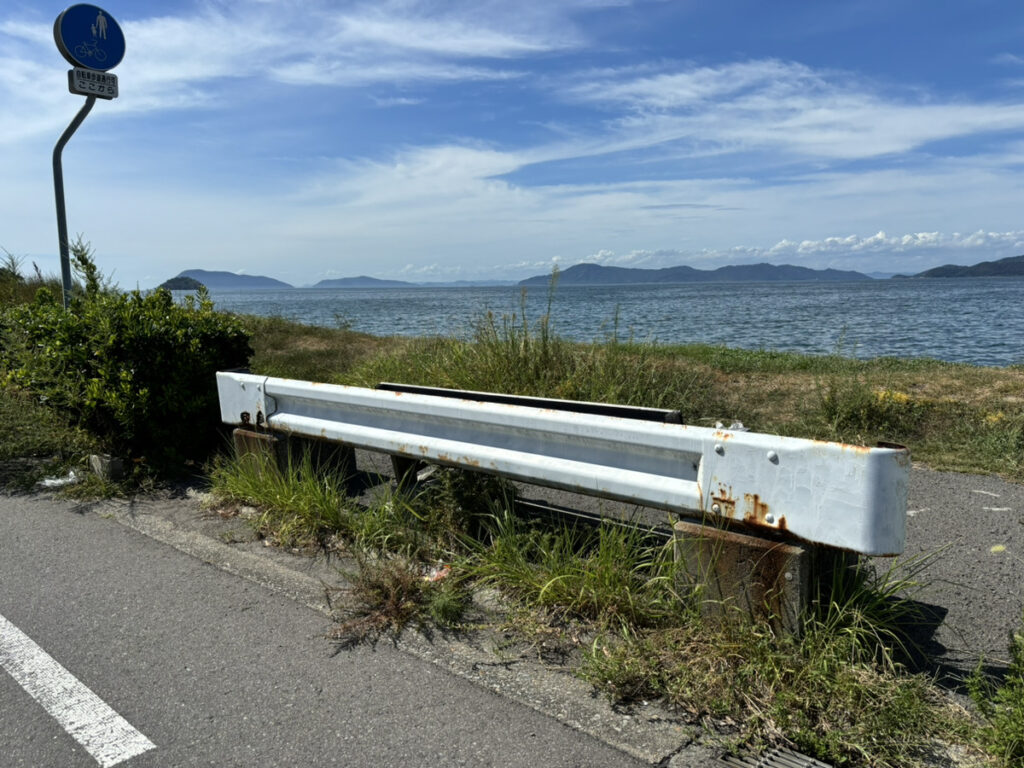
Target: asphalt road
217,670
974,527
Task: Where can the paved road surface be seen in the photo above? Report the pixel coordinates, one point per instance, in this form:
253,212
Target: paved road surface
216,670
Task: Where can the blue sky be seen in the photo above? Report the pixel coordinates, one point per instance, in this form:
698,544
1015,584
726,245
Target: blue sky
477,140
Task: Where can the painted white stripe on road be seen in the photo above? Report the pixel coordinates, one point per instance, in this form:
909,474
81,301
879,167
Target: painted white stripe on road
107,736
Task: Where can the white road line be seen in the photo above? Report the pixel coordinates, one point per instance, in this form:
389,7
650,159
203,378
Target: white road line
987,493
107,736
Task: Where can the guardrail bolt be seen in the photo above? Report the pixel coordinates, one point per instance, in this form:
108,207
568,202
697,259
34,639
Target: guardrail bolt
773,457
720,449
716,508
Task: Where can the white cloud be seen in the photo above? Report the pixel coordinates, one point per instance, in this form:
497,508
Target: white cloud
396,101
444,37
1010,59
185,61
770,105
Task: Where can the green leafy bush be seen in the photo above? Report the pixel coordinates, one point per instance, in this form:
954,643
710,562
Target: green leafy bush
136,370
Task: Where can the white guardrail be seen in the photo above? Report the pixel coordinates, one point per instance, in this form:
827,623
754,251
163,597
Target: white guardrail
842,496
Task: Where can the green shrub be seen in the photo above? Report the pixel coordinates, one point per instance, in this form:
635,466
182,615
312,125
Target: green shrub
136,370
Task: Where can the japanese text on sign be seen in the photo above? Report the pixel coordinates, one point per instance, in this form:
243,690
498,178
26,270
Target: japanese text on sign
87,82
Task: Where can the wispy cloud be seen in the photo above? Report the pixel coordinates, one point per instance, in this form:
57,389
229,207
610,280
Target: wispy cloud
396,101
771,105
1010,59
188,60
446,37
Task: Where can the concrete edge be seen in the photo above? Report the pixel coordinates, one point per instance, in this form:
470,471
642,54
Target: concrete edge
655,737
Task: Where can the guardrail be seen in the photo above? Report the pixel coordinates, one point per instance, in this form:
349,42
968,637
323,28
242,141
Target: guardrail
837,495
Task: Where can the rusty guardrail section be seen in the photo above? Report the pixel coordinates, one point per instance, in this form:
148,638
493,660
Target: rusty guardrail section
836,495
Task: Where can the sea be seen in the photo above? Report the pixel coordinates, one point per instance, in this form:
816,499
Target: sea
974,320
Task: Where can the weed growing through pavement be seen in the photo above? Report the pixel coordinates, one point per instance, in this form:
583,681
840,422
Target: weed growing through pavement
389,593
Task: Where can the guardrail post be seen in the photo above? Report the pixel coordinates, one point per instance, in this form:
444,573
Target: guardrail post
767,579
405,470
247,442
731,571
323,455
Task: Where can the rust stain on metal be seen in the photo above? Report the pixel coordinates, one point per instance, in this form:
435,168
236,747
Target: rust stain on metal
724,500
723,435
424,449
470,461
862,449
755,511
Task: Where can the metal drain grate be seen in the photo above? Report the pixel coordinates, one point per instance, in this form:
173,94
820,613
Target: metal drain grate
774,758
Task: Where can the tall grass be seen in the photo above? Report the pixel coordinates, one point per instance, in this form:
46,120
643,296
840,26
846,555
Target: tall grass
299,505
516,355
16,288
612,575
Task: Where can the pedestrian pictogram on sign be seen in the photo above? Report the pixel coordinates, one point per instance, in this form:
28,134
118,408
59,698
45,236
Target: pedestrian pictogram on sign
89,37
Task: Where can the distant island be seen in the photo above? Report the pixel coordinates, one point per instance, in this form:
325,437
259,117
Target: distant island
362,282
229,280
181,283
595,274
1012,266
373,282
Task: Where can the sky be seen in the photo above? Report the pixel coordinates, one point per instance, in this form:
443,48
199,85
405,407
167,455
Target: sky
441,141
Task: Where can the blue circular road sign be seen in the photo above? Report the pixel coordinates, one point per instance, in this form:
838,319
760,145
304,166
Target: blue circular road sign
88,37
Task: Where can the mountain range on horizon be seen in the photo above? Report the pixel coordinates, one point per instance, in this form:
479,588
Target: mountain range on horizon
596,274
588,273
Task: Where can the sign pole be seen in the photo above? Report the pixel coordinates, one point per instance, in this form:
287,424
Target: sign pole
58,189
92,42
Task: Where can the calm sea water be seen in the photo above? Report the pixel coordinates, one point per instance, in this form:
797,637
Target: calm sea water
977,321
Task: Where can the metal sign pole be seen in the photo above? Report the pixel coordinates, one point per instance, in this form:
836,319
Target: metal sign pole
93,43
58,189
